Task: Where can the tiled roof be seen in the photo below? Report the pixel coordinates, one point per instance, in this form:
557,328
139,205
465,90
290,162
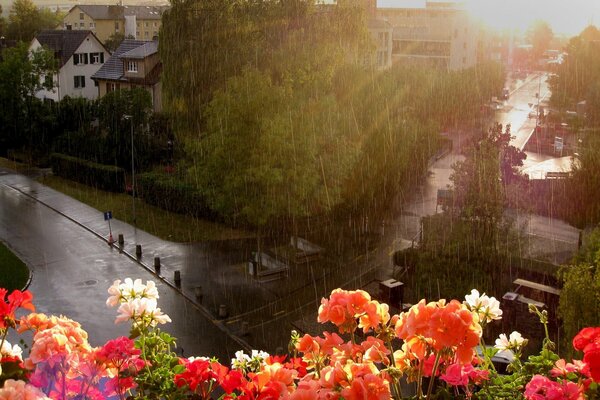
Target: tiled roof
62,42
141,52
98,12
129,48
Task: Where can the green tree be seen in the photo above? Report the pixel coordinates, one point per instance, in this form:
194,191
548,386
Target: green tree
575,78
267,154
25,20
20,80
579,305
115,40
118,111
539,35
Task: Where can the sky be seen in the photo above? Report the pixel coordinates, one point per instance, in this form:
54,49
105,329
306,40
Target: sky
567,17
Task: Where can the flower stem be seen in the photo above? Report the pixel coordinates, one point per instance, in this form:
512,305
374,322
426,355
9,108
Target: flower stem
433,372
488,361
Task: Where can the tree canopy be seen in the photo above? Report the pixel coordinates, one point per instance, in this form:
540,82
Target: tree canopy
25,20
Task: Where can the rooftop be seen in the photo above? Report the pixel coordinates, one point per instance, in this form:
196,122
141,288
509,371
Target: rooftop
62,42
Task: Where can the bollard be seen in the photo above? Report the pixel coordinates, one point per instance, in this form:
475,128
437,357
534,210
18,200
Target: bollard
138,250
177,279
245,331
157,264
223,311
121,240
198,293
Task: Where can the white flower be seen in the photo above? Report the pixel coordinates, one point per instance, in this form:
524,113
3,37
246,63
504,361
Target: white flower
259,354
11,351
487,308
192,359
129,290
514,341
240,360
135,309
115,294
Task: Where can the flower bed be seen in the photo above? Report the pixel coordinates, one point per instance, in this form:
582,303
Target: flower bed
436,352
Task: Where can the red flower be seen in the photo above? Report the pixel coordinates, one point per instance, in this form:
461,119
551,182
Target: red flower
588,341
8,306
585,337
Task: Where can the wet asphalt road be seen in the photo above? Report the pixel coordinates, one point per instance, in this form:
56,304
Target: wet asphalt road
72,270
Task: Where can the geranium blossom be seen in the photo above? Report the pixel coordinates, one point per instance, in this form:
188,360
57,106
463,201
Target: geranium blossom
540,388
514,342
130,290
487,308
8,350
19,390
141,310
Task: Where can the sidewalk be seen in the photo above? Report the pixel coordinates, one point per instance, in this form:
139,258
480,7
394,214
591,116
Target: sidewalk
252,313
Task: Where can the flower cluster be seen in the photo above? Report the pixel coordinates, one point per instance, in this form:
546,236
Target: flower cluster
436,340
137,303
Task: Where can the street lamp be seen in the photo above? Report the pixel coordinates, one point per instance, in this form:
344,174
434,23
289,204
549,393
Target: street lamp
130,118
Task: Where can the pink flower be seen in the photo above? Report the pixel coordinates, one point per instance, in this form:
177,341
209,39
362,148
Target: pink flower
19,390
455,376
541,388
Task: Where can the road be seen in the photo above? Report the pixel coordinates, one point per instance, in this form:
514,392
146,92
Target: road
72,270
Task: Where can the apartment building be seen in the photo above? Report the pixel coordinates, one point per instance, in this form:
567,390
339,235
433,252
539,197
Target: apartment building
138,22
433,33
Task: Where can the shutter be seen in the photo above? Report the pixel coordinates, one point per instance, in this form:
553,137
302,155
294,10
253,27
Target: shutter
83,81
85,58
102,57
76,81
75,59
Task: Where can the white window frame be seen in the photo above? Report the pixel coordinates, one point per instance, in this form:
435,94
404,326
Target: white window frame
132,66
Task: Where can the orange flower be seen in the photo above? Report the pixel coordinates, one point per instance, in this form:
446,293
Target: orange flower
367,387
374,315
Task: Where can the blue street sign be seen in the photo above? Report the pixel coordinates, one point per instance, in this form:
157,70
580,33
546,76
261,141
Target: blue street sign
108,215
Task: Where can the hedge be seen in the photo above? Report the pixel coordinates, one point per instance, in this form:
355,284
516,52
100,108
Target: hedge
168,193
105,177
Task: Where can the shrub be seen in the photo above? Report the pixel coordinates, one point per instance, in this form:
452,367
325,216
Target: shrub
105,177
171,194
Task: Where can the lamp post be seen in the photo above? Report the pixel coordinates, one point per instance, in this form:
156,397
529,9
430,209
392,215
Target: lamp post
130,118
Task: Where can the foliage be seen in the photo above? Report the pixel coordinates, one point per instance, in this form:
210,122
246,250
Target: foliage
114,41
584,189
439,341
575,79
539,35
158,222
124,114
26,20
24,119
580,294
13,272
106,177
171,193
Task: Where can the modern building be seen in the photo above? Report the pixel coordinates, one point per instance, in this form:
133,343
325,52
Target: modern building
79,55
434,33
138,22
381,33
135,63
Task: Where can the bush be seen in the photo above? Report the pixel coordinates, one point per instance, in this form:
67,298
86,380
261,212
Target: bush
169,193
105,177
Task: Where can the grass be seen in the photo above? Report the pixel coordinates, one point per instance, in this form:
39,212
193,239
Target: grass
163,224
13,272
166,225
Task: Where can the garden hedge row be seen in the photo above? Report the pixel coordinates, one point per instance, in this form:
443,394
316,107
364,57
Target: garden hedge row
171,194
105,177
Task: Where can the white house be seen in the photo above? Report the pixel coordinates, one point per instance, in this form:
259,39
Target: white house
79,55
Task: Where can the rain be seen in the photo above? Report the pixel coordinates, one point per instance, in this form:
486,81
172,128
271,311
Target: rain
256,155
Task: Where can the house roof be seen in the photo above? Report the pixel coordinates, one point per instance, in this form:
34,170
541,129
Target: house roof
97,12
113,68
141,52
63,42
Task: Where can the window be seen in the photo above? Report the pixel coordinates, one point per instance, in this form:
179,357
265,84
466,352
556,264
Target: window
146,34
92,25
137,34
111,87
116,26
80,58
139,24
79,81
80,15
155,24
97,58
146,24
132,66
154,34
